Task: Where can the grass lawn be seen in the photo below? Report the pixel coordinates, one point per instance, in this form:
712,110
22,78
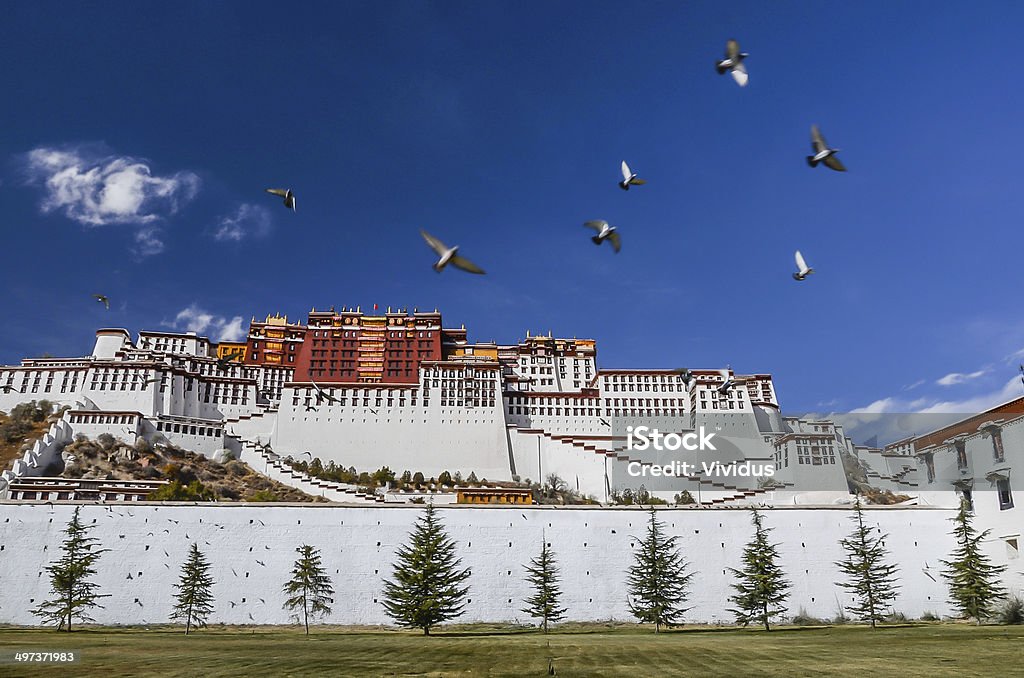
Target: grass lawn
585,651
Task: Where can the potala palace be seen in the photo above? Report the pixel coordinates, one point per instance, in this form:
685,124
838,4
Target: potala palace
398,389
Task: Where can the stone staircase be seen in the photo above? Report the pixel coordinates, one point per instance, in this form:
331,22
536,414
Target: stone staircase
262,460
740,495
899,478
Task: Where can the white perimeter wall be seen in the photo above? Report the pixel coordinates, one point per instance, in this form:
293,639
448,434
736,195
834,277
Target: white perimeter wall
252,548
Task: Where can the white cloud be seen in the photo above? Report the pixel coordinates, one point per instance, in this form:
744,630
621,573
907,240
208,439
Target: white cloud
896,418
878,407
954,378
148,242
247,221
978,403
218,328
99,190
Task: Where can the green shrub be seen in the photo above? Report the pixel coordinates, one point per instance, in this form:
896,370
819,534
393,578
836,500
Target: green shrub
684,498
801,618
262,495
1012,611
175,491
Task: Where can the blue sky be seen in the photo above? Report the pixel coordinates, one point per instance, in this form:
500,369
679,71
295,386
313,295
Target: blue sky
137,139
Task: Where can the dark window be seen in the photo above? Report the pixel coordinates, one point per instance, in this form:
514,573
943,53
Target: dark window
1005,496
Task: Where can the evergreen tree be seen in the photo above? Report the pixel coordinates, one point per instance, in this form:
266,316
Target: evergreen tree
427,587
74,595
542,574
974,587
868,577
657,579
194,600
310,591
761,588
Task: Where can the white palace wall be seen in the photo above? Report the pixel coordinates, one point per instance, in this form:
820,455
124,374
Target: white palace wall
252,547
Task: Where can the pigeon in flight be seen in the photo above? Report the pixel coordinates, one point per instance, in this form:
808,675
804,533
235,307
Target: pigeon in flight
224,362
102,300
727,382
604,232
822,153
286,193
685,374
1022,374
322,395
629,178
605,423
733,62
449,255
802,269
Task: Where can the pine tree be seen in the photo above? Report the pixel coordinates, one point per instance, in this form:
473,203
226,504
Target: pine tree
310,591
761,588
542,574
868,577
657,579
194,600
427,587
73,593
974,587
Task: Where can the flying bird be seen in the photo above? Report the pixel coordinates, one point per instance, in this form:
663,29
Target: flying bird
322,395
449,255
604,232
230,357
629,178
605,422
733,62
685,374
802,269
822,152
1022,374
286,193
102,299
372,410
727,382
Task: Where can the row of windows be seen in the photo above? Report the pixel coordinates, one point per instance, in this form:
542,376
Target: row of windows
102,418
188,429
594,412
641,379
650,387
